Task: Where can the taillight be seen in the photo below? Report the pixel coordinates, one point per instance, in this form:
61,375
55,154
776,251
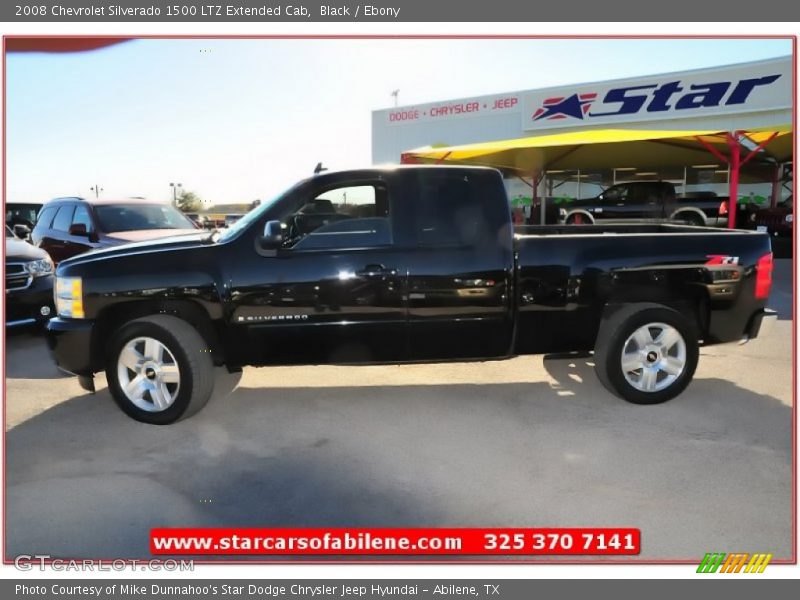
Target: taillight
723,208
764,276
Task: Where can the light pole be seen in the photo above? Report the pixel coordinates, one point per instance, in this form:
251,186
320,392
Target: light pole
395,94
96,189
175,187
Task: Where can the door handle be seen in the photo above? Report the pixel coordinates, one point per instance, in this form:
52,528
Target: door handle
375,271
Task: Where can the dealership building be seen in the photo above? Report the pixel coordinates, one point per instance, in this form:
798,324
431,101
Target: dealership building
719,129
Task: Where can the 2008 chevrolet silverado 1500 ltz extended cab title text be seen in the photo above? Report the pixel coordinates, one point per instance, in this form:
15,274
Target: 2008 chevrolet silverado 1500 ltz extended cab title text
403,264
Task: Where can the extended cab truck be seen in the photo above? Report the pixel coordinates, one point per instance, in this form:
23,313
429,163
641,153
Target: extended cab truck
402,264
647,201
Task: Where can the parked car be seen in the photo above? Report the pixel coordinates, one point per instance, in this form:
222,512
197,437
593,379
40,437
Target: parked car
71,226
21,217
29,283
428,269
231,219
647,201
777,221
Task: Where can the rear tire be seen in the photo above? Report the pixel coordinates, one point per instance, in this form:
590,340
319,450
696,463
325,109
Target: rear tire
159,370
646,353
690,219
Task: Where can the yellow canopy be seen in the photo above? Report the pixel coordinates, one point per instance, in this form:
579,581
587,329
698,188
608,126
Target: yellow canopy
602,149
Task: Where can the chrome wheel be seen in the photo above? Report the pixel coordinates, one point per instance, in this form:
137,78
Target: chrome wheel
148,374
653,357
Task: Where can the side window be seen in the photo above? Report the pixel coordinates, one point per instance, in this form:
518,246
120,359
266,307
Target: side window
450,210
45,218
63,218
617,194
349,233
355,216
82,216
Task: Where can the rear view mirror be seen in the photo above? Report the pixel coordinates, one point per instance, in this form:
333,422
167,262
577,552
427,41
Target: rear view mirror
78,229
22,231
273,235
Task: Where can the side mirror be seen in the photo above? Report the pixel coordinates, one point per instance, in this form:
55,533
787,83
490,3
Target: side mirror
22,231
273,235
78,229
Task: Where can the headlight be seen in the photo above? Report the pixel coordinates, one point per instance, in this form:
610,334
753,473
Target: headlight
69,297
789,218
38,268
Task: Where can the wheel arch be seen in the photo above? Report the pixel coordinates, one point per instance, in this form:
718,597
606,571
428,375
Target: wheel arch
580,211
696,308
115,316
689,209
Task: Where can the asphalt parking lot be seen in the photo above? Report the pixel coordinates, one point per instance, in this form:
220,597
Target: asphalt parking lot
533,441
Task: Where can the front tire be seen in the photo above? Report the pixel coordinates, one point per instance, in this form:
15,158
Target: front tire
159,370
646,353
578,218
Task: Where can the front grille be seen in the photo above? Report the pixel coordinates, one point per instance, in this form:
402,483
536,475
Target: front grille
770,221
16,277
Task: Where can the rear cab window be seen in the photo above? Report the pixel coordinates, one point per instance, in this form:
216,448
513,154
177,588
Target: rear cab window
459,208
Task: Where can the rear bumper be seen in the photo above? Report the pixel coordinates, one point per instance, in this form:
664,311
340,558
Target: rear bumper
70,341
760,324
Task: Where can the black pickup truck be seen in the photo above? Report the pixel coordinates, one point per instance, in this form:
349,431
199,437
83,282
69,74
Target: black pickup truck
647,201
403,264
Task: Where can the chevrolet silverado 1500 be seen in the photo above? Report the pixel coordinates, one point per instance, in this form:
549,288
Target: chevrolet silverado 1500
403,264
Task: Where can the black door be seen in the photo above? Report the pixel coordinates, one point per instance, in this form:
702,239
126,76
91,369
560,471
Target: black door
334,293
615,203
628,201
460,266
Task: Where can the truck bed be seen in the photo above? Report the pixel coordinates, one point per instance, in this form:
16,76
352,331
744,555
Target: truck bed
568,274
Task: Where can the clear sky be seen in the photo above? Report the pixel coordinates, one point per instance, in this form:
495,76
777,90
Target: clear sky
235,120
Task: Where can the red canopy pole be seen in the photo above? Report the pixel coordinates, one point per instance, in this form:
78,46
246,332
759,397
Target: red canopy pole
776,186
733,190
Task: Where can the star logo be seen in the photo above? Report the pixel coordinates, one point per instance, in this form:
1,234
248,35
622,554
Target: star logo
562,107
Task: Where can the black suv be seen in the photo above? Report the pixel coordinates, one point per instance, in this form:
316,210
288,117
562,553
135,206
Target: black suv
647,201
29,283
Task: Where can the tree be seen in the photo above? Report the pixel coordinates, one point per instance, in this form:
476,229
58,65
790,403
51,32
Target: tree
189,202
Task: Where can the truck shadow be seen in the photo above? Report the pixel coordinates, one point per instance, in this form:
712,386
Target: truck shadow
85,481
27,356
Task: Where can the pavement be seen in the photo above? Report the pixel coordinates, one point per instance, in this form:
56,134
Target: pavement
532,441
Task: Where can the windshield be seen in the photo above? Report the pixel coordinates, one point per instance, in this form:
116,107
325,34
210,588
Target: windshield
113,218
245,222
